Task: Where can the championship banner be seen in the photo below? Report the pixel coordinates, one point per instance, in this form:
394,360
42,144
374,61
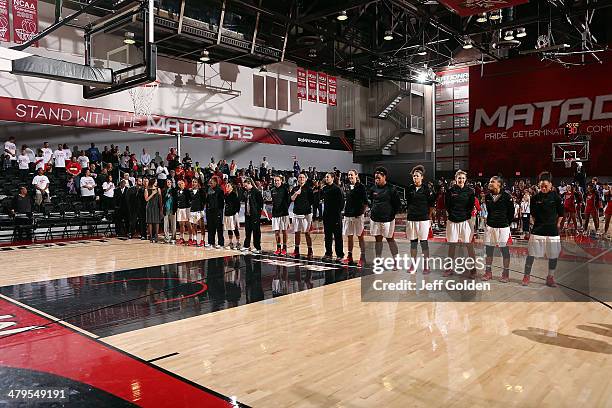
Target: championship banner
312,86
25,20
5,33
513,129
332,90
29,111
301,83
322,87
470,7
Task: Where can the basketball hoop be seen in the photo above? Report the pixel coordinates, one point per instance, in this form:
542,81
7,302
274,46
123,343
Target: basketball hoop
142,98
568,162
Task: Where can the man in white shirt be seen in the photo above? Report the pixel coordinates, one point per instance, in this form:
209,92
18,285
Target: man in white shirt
30,153
10,153
83,160
88,195
41,183
23,162
145,158
59,160
162,174
47,153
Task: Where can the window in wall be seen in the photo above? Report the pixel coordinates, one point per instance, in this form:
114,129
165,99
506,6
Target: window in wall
295,102
270,92
283,95
258,91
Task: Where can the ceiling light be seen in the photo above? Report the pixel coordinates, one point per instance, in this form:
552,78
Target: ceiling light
520,32
379,73
509,35
263,69
342,16
496,15
388,35
482,18
205,56
128,38
467,43
421,51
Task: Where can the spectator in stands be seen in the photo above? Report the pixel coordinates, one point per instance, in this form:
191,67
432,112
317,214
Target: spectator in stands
145,159
157,159
263,167
59,162
121,209
108,194
252,218
74,168
172,159
233,168
212,165
47,153
296,168
154,210
71,185
10,153
162,173
106,155
187,162
225,168
30,153
23,163
21,209
94,153
41,184
250,169
84,160
169,207
67,151
39,161
124,163
88,195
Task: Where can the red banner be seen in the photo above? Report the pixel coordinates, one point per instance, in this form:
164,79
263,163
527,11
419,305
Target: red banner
322,87
470,7
5,30
332,90
312,86
25,20
514,126
301,83
28,111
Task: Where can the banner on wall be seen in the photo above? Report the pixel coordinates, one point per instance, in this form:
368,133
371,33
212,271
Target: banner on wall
332,90
5,30
322,87
25,20
301,83
28,111
312,86
515,126
470,7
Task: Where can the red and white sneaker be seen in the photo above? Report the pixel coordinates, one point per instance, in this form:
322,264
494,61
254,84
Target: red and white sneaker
277,252
487,276
180,242
283,252
447,273
191,243
295,254
347,261
525,281
505,278
550,281
200,244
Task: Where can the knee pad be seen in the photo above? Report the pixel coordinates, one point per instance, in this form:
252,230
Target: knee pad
425,245
414,243
505,252
552,264
489,250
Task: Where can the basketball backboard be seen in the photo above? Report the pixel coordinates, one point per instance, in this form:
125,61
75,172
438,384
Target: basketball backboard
577,151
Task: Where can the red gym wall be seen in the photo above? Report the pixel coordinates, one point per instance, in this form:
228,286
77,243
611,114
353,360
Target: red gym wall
516,141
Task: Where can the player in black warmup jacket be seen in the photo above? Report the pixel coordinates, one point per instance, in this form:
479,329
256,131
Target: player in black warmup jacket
280,213
459,205
302,198
384,205
500,213
420,201
333,200
353,221
547,211
231,222
215,200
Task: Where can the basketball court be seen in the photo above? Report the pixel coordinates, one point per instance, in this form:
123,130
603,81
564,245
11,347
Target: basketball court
89,318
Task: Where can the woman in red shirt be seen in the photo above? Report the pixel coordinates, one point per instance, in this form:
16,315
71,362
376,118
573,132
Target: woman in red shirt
569,205
591,209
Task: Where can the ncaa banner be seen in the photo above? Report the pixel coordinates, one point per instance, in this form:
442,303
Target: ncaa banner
322,87
301,83
514,126
29,111
332,90
25,20
470,7
5,30
312,86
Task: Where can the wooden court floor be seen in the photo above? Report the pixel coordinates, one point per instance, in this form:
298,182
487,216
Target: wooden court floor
324,347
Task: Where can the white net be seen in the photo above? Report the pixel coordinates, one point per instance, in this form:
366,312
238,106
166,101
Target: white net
143,97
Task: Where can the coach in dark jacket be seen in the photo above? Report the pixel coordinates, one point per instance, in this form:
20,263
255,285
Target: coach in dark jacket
121,209
332,197
252,214
215,200
133,196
